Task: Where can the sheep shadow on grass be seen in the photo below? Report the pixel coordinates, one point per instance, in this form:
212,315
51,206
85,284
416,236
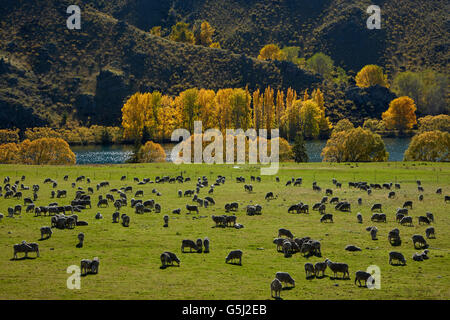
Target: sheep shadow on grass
22,258
287,288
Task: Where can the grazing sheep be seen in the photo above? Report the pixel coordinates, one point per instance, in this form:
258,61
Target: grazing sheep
206,245
285,277
125,220
364,276
307,249
166,221
186,243
309,269
394,255
192,208
406,221
98,216
430,216
373,232
115,217
376,206
95,265
399,217
423,219
46,231
279,243
85,265
408,204
320,267
165,259
173,258
176,211
219,220
234,255
285,232
22,247
276,286
80,240
199,243
430,233
337,267
359,217
287,248
269,196
417,238
352,248
378,217
394,237
327,217
391,195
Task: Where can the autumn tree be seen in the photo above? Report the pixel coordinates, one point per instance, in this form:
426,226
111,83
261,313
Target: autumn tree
7,135
325,125
207,104
151,152
182,33
42,151
222,101
169,118
310,115
268,108
430,123
299,149
190,107
355,145
8,153
429,146
271,52
401,114
240,101
203,36
371,75
137,113
258,102
156,31
343,125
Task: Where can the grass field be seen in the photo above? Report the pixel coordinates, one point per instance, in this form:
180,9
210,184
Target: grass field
129,257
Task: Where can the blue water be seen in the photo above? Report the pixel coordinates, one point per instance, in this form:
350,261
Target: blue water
120,153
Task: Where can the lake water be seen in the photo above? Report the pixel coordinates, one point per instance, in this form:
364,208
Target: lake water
120,153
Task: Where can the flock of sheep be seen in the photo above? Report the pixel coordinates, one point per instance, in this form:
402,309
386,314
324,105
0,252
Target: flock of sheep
64,216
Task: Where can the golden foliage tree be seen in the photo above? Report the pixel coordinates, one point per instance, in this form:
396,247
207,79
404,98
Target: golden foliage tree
8,153
182,33
357,145
137,113
429,146
401,114
371,75
271,52
7,135
205,35
310,115
151,152
240,101
156,31
430,123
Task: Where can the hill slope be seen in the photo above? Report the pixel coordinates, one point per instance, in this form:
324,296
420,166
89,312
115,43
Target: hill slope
50,73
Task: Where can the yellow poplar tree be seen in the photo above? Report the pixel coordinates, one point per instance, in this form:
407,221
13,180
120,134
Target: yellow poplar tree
401,114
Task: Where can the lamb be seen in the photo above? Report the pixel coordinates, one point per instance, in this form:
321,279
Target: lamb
359,217
234,255
394,255
429,232
206,245
338,267
98,216
276,286
362,275
46,231
327,217
309,269
320,267
285,277
189,244
285,232
417,238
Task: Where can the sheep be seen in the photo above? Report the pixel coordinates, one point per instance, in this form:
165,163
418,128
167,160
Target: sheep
417,238
285,277
206,245
338,267
394,237
429,232
394,255
102,203
423,219
21,247
309,269
98,216
352,248
327,217
376,206
417,257
360,201
189,244
85,265
199,243
230,220
192,208
269,196
219,220
287,248
378,217
320,267
46,231
408,204
80,240
234,255
406,221
276,286
430,216
391,195
359,217
125,220
373,232
279,242
173,257
1,216
285,232
307,248
176,211
95,265
363,275
115,217
165,259
166,221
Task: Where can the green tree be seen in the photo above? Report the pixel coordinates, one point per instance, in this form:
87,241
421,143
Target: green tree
182,33
322,64
299,149
429,146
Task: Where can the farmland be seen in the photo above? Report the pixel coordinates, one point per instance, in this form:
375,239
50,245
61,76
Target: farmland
129,257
